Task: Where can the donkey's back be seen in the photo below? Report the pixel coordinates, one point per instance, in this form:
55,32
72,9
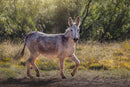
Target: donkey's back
50,45
47,44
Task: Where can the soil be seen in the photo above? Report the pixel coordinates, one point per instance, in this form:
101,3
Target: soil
69,82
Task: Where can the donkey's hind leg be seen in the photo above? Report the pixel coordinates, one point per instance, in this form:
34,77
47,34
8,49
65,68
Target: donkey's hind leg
28,63
35,66
31,61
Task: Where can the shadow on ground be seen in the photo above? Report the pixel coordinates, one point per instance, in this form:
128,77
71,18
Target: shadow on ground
28,82
70,82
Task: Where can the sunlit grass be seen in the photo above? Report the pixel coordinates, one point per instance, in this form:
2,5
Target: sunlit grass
106,57
109,55
93,55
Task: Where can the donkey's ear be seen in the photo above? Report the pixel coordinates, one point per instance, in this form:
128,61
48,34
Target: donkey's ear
77,21
70,21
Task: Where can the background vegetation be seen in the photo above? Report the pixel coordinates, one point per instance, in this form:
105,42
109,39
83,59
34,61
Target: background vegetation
102,20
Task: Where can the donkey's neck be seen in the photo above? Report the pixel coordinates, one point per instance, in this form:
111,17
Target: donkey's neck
71,41
67,40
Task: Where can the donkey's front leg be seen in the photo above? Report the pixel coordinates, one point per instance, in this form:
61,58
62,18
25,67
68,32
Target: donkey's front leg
77,62
62,67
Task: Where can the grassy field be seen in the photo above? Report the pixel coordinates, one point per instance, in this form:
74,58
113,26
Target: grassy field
106,60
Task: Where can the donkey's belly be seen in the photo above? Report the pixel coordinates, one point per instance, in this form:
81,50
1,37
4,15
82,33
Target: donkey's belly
48,49
49,52
49,55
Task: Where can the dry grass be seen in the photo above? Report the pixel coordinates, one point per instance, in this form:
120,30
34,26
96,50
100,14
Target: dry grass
112,59
104,56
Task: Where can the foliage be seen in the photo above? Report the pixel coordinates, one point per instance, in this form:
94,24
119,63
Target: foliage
107,20
103,19
16,18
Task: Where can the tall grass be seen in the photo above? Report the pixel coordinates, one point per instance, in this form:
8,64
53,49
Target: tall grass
93,55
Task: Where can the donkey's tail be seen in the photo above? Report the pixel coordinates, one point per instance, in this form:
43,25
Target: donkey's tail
22,52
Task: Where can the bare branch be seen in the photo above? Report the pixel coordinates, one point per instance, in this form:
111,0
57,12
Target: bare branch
85,13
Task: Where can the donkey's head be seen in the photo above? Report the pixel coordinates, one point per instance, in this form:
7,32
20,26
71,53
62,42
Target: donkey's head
73,29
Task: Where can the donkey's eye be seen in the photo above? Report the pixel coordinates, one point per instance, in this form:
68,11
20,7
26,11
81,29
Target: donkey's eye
71,30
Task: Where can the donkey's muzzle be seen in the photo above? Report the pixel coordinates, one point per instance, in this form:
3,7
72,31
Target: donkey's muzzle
76,39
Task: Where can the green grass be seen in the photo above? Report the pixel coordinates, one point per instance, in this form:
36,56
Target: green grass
109,59
20,72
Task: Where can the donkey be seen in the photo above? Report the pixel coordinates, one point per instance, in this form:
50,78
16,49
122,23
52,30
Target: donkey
53,46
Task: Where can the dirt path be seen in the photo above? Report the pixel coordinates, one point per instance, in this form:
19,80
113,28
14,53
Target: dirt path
69,82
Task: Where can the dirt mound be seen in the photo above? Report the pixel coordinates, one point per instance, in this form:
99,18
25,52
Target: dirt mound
69,82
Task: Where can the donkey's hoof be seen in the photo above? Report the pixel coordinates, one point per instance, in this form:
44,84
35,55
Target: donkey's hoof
72,75
30,76
63,77
38,75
